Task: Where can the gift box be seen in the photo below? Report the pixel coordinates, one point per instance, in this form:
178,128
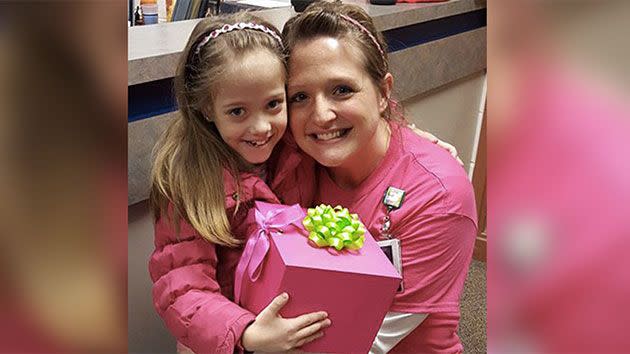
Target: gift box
355,287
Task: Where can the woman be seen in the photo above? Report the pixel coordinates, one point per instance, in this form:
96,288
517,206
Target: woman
341,114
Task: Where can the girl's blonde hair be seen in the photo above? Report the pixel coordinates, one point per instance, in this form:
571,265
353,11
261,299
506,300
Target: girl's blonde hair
190,157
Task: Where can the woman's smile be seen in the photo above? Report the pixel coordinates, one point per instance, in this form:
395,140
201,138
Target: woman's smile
330,136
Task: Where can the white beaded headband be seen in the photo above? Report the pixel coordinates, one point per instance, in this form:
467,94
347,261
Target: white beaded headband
237,26
366,31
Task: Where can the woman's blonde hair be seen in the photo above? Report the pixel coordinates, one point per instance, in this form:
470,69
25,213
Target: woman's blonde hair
325,18
190,157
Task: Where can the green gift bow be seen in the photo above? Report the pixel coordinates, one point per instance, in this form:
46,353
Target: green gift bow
334,227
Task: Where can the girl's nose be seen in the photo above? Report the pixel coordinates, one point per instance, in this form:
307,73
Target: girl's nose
261,125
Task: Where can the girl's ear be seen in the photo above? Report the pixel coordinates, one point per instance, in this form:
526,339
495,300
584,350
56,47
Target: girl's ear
386,92
207,114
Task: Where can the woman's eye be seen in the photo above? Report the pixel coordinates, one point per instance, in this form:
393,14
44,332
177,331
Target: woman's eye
298,97
343,90
236,112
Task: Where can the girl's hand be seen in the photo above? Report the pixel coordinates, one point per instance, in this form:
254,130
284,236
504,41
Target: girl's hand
272,333
444,145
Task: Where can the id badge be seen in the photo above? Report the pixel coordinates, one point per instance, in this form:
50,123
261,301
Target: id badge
391,248
393,197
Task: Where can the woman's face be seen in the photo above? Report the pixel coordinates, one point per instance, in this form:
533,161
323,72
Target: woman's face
334,106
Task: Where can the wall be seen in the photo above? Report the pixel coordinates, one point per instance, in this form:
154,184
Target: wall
146,332
451,112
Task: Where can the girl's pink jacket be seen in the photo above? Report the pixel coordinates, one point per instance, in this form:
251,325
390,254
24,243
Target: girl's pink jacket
193,279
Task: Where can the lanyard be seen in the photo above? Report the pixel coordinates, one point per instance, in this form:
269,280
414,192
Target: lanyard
392,199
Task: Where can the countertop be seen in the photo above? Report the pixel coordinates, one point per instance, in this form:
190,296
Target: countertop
153,50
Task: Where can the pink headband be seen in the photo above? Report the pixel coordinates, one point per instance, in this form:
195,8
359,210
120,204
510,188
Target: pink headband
237,26
365,30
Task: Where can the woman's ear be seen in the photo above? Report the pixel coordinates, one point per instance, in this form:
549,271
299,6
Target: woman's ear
386,92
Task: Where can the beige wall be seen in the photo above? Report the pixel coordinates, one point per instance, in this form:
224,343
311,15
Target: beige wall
451,112
146,332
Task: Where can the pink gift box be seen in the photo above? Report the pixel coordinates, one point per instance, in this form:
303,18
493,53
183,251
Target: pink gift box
355,288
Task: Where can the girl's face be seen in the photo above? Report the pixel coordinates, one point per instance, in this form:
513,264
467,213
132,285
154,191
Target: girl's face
249,105
335,107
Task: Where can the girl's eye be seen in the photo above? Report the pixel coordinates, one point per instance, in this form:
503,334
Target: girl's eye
298,97
236,112
343,90
274,104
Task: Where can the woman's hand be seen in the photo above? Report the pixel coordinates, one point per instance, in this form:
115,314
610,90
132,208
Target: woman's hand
444,145
272,333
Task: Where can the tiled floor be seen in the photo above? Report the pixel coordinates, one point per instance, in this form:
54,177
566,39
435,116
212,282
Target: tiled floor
472,328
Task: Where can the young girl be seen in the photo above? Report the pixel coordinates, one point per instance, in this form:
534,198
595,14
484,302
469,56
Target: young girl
210,165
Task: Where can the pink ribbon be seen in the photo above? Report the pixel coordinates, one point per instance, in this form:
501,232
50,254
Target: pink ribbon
258,243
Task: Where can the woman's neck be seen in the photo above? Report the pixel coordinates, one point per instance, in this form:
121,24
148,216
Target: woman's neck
364,161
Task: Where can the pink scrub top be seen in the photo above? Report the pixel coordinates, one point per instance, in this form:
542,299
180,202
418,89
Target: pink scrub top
436,224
